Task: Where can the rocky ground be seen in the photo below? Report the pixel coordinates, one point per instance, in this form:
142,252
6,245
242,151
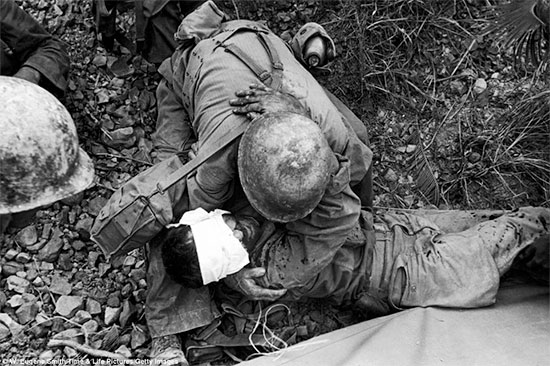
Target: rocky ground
434,91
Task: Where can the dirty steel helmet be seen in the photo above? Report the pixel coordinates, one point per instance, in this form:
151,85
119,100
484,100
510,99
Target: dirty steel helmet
284,164
40,161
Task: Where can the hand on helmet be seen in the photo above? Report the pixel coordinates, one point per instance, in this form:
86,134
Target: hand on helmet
244,282
259,99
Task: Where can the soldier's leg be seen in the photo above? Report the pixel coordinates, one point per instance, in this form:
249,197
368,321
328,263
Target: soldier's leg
451,221
463,269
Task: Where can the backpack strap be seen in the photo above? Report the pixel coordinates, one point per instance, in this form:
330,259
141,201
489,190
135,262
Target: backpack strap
203,155
276,73
276,64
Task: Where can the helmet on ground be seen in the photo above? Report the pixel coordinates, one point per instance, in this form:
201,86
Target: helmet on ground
284,164
40,160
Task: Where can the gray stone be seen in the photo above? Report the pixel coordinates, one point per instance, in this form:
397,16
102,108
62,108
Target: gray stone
18,284
83,226
78,245
111,315
98,294
51,250
100,60
46,266
137,274
32,274
103,268
139,337
3,299
23,258
46,230
72,217
15,301
113,301
93,307
91,326
96,204
92,258
11,268
65,261
81,317
4,332
123,350
391,176
10,254
126,290
480,86
67,306
27,236
38,282
129,261
39,330
71,353
47,355
60,286
14,327
27,312
37,246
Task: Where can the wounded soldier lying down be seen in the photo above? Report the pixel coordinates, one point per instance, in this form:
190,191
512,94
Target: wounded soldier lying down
392,260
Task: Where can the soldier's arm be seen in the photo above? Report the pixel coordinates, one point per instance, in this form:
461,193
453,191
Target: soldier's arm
34,47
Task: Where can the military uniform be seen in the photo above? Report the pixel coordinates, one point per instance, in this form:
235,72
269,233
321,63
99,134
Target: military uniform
407,258
193,106
156,22
25,43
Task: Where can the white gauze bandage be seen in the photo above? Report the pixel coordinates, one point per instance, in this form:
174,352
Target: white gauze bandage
219,252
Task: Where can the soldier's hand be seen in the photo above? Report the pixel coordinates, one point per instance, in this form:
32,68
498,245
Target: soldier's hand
192,154
259,99
245,283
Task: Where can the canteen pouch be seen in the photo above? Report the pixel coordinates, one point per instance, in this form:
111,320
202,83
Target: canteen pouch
140,209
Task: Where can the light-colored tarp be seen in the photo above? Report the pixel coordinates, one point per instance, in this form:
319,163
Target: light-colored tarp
515,331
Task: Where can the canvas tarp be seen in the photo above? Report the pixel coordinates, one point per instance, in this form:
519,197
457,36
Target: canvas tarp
515,331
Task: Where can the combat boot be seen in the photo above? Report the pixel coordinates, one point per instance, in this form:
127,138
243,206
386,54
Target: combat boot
166,350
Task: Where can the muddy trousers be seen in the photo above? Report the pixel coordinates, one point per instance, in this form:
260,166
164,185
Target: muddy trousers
447,259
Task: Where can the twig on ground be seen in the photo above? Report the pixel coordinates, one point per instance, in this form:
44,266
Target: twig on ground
472,44
88,350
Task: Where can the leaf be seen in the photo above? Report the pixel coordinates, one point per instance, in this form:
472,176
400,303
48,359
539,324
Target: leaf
422,172
517,24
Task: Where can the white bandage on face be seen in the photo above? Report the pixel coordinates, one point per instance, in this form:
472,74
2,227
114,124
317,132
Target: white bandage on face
219,252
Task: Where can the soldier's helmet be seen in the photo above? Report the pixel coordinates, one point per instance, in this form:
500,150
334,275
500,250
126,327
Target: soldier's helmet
284,164
40,160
